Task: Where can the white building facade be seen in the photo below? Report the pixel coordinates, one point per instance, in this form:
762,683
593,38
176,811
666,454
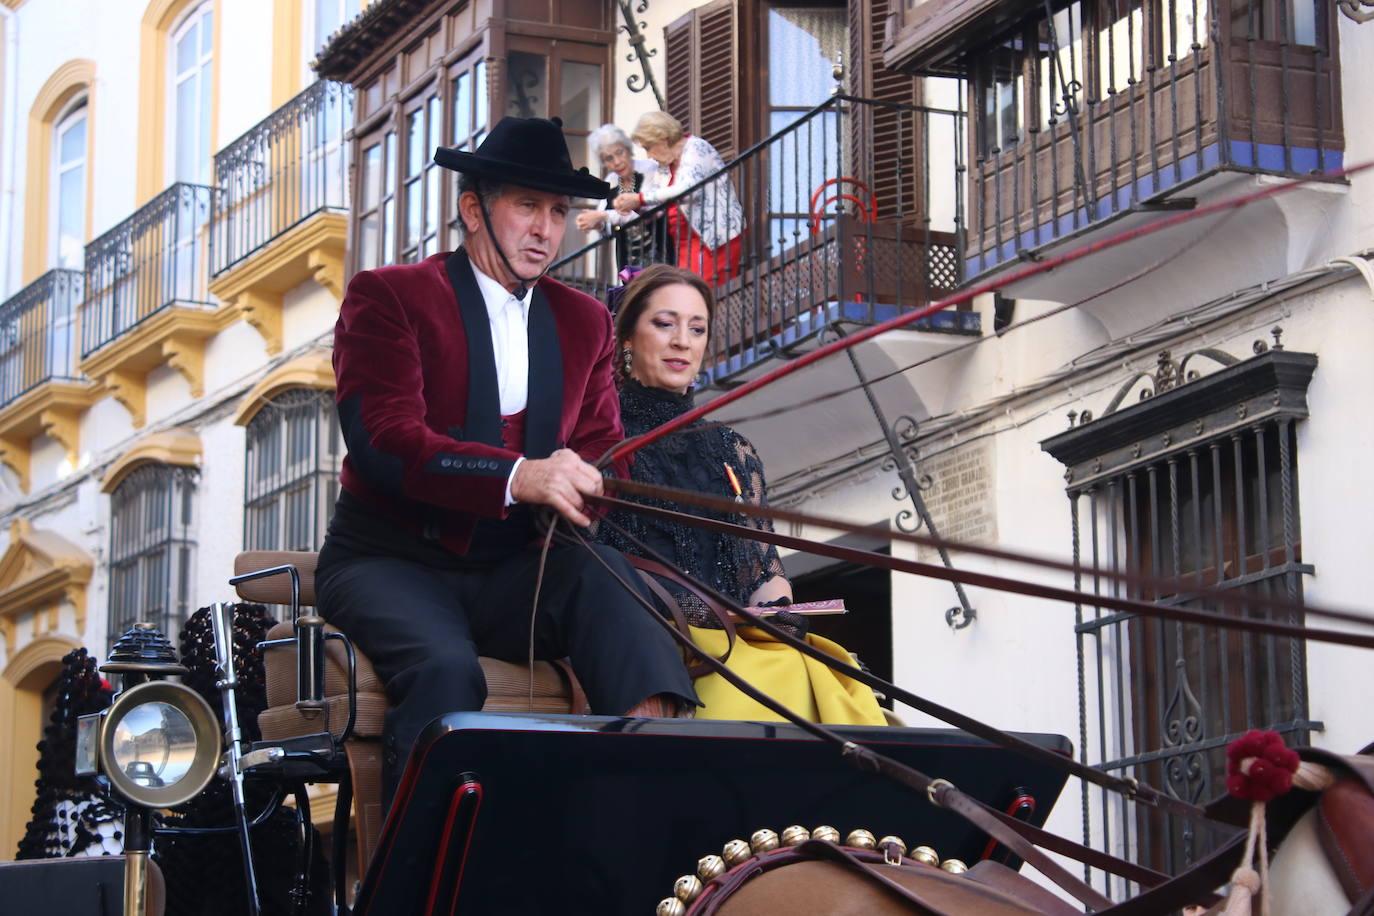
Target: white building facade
182,203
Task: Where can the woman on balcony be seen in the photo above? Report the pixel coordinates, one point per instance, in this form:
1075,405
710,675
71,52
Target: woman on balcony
706,223
662,326
638,241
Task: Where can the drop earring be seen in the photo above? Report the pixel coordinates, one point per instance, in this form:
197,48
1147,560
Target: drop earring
627,361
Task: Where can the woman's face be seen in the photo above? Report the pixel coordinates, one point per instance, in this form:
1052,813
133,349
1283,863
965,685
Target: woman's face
662,152
669,339
617,158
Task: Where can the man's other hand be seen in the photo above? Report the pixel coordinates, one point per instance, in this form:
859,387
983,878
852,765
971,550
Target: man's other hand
558,481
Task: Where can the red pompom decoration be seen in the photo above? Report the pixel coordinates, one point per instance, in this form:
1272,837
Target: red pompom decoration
1272,766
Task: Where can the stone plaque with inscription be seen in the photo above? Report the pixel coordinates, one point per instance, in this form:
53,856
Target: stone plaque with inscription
960,498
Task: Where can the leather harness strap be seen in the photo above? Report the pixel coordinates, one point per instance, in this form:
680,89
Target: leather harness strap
1141,584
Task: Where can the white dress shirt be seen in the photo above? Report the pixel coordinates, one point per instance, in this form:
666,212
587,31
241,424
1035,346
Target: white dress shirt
509,319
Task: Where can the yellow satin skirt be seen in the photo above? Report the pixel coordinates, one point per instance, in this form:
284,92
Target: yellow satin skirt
803,684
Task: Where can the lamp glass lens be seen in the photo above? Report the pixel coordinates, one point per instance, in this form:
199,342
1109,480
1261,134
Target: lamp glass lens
154,745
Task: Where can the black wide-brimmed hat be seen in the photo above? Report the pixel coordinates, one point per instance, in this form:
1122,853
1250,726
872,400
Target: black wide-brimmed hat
529,152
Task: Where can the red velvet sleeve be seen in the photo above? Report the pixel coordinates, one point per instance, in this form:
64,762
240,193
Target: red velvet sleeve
381,382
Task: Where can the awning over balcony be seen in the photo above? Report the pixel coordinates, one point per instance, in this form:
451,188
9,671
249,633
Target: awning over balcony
934,37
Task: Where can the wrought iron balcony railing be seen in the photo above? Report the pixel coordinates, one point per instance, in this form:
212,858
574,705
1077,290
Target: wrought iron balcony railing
1102,109
284,170
38,334
152,260
853,214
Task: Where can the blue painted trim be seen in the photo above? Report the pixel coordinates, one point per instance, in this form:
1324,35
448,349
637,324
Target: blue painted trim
1267,157
810,323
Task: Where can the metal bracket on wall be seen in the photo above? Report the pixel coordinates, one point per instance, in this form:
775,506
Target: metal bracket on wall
900,438
634,30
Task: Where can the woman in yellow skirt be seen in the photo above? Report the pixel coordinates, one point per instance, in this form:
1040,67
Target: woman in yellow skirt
662,326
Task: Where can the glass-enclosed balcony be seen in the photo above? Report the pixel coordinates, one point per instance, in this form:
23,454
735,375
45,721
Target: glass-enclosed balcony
1111,107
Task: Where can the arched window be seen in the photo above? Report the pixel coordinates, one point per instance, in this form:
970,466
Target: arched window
152,550
294,449
67,204
190,86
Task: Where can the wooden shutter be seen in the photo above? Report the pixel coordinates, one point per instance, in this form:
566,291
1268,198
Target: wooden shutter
703,73
887,142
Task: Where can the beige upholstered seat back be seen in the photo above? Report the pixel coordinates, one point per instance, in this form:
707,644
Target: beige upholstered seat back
276,589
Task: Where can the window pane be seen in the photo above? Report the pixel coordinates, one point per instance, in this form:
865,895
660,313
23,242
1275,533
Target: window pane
326,20
367,243
415,142
186,51
388,231
436,120
203,149
298,436
479,96
150,548
804,45
73,142
71,216
372,176
432,201
580,104
526,93
187,133
206,33
413,213
462,108
390,163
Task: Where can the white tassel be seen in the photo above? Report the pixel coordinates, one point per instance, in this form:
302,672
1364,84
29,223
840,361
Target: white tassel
1246,883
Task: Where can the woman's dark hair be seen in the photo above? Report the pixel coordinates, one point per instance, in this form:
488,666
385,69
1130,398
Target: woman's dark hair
642,288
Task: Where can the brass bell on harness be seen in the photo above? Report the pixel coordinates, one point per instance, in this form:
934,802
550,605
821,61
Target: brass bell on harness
763,840
861,839
735,852
670,906
795,835
954,866
926,856
826,833
893,841
687,888
711,866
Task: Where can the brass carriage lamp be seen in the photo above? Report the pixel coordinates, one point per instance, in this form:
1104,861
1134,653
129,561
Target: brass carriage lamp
158,744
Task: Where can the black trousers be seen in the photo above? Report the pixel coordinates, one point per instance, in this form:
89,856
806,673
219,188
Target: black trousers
424,627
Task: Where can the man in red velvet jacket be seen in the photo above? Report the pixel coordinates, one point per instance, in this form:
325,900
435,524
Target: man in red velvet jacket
471,389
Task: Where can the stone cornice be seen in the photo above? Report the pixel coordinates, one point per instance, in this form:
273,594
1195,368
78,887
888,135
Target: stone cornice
38,571
174,337
53,408
314,370
313,250
174,446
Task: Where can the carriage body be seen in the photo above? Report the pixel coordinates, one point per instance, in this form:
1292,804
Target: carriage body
606,811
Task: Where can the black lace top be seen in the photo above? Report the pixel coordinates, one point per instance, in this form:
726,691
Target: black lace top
694,458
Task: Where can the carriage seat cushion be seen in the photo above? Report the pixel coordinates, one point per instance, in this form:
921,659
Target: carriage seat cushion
508,690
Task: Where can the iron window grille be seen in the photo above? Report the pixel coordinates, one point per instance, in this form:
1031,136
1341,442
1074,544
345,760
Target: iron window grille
294,450
152,550
1197,483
